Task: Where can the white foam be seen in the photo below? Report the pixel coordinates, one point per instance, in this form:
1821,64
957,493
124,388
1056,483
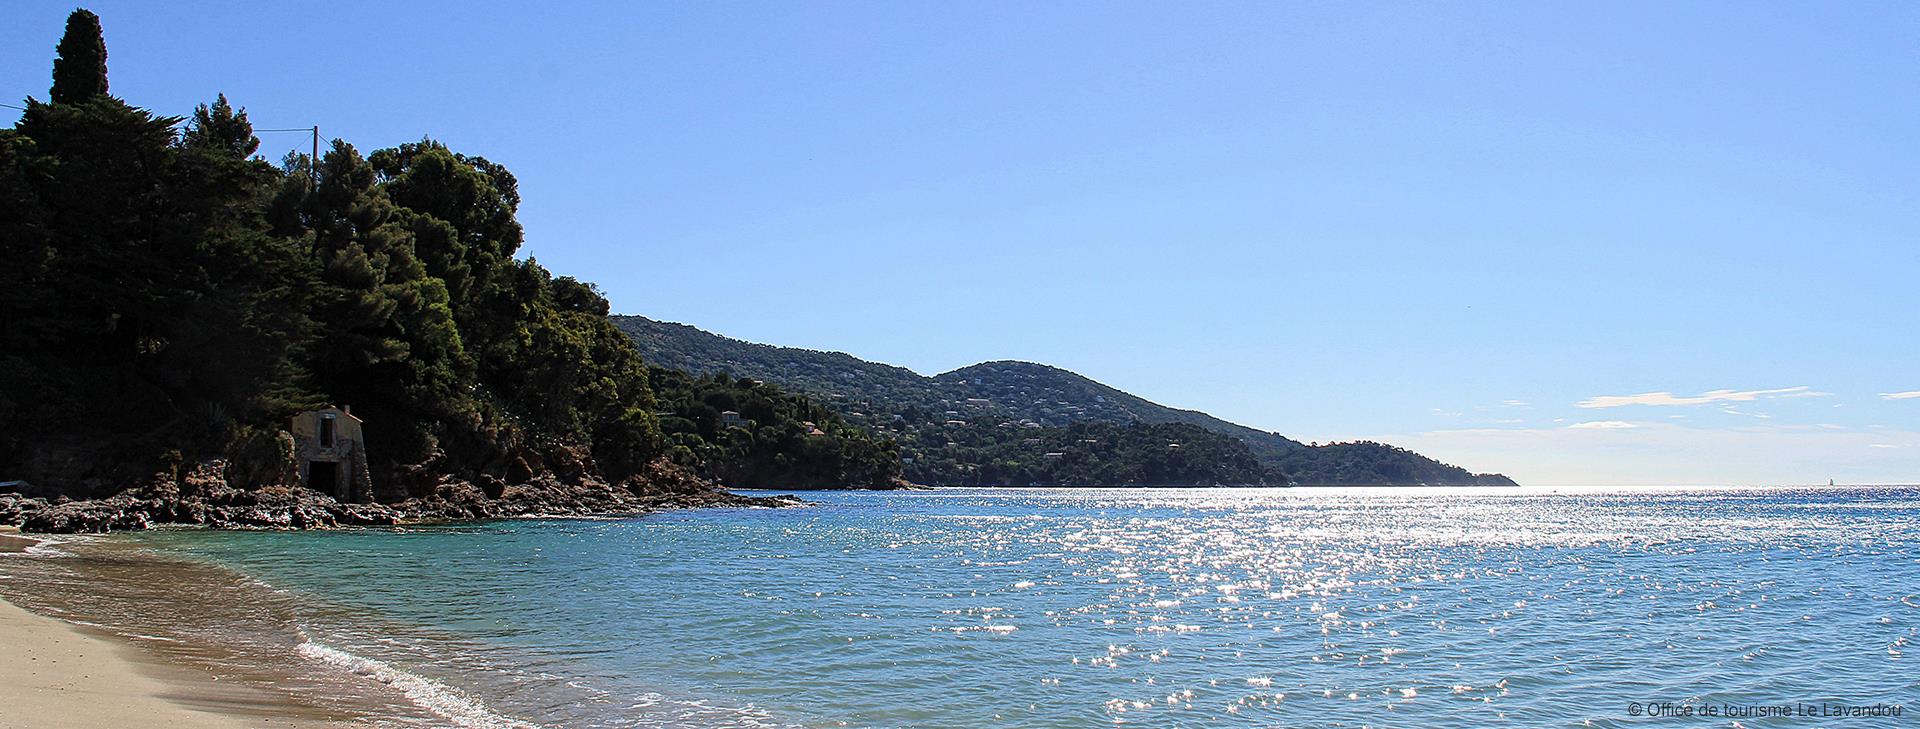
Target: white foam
427,693
45,546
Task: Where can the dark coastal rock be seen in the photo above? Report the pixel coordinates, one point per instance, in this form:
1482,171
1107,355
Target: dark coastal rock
659,486
212,505
15,508
85,517
205,495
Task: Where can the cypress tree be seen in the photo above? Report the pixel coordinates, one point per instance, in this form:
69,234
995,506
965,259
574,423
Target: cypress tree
80,70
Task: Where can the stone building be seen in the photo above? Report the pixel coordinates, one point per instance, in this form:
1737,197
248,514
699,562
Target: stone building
332,453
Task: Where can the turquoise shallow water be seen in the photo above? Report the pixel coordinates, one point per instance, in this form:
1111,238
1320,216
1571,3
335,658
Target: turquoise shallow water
1067,608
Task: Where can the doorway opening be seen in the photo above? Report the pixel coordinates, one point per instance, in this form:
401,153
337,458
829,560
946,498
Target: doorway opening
324,476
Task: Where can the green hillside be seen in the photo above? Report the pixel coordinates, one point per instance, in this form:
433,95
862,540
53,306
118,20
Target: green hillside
986,423
170,298
1053,396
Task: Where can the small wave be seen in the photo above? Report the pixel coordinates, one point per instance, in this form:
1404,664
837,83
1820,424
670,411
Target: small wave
425,692
45,546
995,629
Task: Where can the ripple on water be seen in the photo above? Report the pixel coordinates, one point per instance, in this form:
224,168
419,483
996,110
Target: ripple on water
1059,608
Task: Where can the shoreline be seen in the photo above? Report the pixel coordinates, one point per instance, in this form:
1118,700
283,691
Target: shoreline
60,668
57,674
209,503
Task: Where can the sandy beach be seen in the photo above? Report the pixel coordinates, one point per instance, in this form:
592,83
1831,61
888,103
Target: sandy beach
54,674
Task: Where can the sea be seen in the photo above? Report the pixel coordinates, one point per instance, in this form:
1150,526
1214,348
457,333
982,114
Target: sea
1389,607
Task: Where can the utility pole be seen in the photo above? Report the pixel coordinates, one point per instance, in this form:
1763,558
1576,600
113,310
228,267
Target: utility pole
313,162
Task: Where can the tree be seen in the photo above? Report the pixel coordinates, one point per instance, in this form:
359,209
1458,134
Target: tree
165,296
80,70
220,128
389,346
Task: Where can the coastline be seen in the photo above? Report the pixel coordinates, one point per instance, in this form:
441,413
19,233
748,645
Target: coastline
55,674
67,660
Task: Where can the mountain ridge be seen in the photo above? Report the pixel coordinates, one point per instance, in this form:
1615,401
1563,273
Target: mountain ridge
932,410
1264,443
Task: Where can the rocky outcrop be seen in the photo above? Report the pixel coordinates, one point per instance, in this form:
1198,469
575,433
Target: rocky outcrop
15,508
205,496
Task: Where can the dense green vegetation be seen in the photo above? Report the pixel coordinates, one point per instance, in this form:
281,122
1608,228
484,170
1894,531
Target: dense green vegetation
994,423
1020,391
1366,463
167,293
784,440
982,453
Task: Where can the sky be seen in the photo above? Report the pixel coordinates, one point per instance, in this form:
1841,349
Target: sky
1601,243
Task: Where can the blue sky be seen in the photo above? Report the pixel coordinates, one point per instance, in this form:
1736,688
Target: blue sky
1457,227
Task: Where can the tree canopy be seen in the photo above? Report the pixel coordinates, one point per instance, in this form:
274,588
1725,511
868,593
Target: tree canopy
80,69
168,294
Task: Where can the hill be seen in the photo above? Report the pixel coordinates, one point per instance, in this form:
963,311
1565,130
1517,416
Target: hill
939,420
1053,396
171,303
1022,391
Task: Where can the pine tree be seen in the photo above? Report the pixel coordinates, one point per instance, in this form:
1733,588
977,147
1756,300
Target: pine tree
80,70
220,128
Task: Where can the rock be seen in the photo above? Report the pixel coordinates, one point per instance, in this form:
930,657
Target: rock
492,485
86,517
206,501
15,508
229,495
204,477
520,471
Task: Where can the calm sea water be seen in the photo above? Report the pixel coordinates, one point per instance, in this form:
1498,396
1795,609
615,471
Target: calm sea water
1076,608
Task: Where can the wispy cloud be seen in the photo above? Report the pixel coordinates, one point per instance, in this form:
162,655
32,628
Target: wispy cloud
1668,398
1603,425
1514,403
1664,452
1908,395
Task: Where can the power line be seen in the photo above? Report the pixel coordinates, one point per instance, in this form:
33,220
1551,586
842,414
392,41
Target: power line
313,130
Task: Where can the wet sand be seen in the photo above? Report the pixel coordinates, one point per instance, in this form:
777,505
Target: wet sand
55,673
11,541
